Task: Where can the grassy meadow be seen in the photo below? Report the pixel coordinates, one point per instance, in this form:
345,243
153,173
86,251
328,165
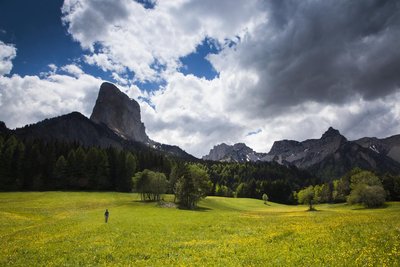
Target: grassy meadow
68,229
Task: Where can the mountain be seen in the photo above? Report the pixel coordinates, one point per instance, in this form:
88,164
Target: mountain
237,153
121,114
328,157
350,155
115,122
3,128
72,127
388,146
309,152
118,112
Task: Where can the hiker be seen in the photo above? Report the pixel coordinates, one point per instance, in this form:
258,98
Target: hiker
106,214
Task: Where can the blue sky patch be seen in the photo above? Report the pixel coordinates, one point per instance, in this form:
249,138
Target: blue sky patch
197,64
36,30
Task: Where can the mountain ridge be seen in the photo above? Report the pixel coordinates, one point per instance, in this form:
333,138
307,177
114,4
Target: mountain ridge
327,156
114,123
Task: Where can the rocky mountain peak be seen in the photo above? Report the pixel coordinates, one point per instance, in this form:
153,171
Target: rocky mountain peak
3,127
238,152
239,146
331,132
119,113
284,146
218,152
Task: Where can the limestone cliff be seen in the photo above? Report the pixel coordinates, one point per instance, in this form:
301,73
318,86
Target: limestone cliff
119,113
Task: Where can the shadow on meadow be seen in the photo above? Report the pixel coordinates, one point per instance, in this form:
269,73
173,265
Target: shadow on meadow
361,208
199,209
169,204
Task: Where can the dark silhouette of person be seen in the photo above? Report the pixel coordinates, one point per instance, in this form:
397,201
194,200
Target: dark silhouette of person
106,214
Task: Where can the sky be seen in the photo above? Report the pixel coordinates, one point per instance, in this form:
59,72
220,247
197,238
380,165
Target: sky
206,72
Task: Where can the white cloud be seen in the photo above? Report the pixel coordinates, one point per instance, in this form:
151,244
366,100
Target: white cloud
29,99
128,35
253,90
73,70
262,82
7,53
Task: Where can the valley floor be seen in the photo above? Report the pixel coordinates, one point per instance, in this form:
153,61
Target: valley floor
59,228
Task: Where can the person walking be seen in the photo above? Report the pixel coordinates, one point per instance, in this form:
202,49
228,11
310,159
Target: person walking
106,214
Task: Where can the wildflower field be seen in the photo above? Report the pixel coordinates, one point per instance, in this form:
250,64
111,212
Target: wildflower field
58,228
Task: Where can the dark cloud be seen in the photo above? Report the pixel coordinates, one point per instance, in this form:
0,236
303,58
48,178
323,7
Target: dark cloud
323,51
254,132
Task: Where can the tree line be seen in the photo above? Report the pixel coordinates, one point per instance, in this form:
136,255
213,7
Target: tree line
38,165
55,165
356,187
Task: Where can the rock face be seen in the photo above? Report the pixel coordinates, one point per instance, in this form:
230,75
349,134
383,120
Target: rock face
237,153
388,146
350,155
3,128
309,152
115,122
328,157
119,113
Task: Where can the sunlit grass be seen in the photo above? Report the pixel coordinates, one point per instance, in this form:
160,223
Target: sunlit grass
56,228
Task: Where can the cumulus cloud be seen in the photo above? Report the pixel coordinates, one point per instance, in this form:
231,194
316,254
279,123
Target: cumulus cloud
124,36
289,69
7,54
286,69
73,70
28,99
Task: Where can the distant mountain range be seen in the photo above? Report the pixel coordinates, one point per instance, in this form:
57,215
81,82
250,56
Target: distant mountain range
328,157
115,122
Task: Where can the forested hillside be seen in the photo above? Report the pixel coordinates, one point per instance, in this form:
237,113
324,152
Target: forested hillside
54,165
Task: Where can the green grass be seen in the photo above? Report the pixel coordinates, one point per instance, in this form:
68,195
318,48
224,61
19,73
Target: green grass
56,229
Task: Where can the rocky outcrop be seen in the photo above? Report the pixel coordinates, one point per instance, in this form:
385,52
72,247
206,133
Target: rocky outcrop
237,153
309,152
3,128
115,122
328,157
118,112
350,155
389,146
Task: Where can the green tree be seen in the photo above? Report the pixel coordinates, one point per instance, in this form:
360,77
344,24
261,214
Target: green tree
102,171
126,169
241,190
150,185
307,196
60,172
366,189
221,190
91,165
158,185
265,198
8,171
192,187
391,184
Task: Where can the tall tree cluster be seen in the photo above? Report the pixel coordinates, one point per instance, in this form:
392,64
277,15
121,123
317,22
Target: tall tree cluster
252,180
55,165
150,185
356,187
37,165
